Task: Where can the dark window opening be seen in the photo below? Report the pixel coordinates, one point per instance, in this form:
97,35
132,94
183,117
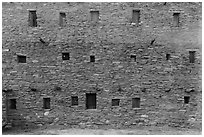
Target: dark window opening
65,56
21,59
136,16
32,18
94,16
136,103
74,100
92,58
167,56
91,101
12,103
186,99
192,56
62,19
133,58
46,103
115,102
176,19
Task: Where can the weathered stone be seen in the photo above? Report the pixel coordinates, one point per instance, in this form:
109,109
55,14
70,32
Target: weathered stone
39,125
46,113
107,121
144,116
56,120
112,41
82,125
191,120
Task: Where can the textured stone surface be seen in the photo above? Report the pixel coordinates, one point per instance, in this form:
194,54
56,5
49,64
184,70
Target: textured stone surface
161,84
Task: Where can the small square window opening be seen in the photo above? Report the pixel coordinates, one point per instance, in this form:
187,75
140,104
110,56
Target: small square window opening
133,58
92,58
186,99
94,16
12,103
74,100
168,56
115,102
135,102
21,59
65,56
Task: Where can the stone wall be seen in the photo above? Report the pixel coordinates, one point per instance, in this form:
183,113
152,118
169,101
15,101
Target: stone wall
159,83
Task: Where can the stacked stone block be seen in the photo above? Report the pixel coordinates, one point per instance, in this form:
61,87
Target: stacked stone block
159,83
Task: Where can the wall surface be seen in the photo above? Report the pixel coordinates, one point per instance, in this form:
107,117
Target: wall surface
159,83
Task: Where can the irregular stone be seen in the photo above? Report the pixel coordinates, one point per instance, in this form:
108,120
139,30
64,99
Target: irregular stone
46,113
144,116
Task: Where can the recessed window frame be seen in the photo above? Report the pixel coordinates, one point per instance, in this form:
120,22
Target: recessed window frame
168,56
176,19
74,100
91,100
115,102
94,15
21,59
186,99
192,56
136,101
92,58
32,18
65,56
46,103
62,19
12,103
133,58
136,16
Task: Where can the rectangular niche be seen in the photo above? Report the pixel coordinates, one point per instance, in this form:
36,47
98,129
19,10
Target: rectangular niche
94,16
133,58
176,19
12,103
32,19
62,19
186,99
74,100
92,58
192,56
21,59
90,100
136,16
115,102
46,103
65,56
135,102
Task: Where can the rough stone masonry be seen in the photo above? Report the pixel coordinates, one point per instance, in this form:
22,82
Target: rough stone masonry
99,64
